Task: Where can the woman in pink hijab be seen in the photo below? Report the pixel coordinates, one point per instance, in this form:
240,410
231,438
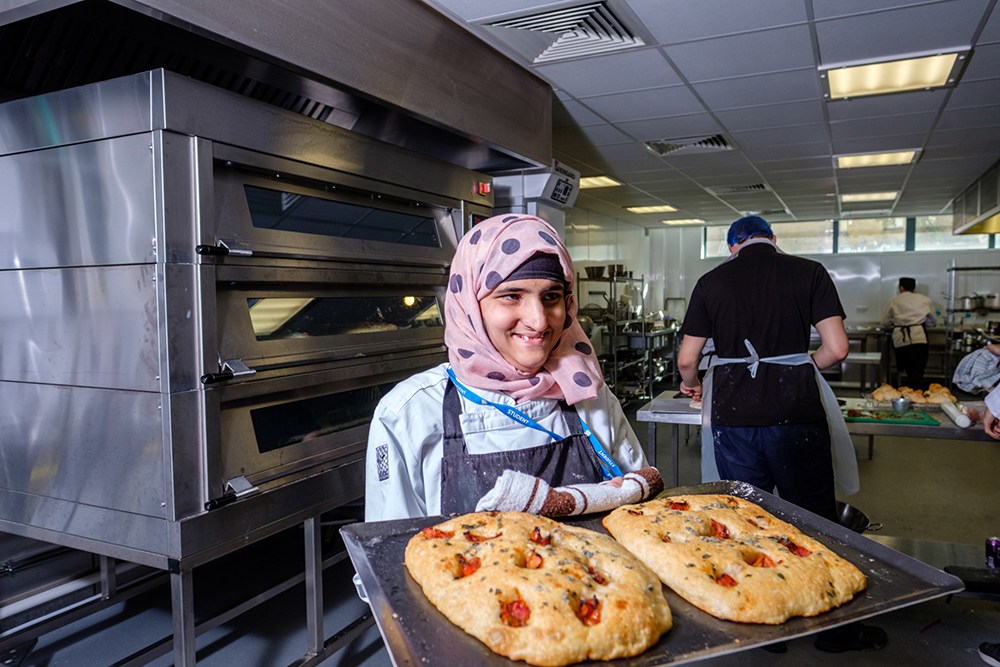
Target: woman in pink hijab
522,390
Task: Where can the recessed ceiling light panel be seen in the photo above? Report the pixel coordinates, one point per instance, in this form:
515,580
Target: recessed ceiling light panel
689,221
597,182
651,209
876,159
923,72
869,196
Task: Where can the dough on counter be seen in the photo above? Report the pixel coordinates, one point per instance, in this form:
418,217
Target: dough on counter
695,404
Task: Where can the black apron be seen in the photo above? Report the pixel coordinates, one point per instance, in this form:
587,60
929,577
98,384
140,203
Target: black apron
465,478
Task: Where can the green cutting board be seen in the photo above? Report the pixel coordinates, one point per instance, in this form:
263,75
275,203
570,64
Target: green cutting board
875,416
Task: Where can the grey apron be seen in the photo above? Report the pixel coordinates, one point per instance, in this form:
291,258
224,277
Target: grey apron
465,478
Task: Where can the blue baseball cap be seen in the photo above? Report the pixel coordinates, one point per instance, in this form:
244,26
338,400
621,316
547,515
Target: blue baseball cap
744,228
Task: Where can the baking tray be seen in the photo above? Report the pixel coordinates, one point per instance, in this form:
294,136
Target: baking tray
912,417
418,635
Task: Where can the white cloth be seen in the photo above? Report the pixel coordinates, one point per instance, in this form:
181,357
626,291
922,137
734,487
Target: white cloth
518,492
845,462
406,440
908,309
977,371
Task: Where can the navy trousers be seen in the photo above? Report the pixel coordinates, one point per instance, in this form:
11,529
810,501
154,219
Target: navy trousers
795,458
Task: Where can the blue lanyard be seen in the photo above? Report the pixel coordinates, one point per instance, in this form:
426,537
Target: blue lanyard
609,468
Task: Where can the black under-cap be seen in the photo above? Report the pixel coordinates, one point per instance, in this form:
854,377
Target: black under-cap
543,265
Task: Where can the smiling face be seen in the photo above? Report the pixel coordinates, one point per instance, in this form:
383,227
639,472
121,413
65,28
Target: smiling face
524,320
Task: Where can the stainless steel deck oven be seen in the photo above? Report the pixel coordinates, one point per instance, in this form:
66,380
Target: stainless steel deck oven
202,298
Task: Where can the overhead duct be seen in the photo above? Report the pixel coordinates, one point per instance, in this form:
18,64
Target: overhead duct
346,62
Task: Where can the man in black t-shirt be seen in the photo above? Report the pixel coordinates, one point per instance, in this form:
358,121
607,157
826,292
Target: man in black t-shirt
768,422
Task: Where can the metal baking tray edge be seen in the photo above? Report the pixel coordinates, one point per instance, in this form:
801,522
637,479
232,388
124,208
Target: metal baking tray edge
416,634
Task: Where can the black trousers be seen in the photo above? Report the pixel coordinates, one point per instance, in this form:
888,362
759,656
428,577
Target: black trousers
795,458
912,360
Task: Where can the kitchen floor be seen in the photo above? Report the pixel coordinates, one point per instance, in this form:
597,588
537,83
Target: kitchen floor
928,492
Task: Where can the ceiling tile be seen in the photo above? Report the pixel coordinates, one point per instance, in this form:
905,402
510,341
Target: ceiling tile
953,119
984,63
655,103
915,123
991,33
795,165
737,55
674,127
781,136
816,149
824,9
588,135
974,138
886,105
873,36
772,115
621,72
899,142
568,113
975,94
640,178
672,22
798,85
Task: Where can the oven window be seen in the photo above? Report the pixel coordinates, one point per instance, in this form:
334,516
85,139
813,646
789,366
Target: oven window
287,424
276,318
286,211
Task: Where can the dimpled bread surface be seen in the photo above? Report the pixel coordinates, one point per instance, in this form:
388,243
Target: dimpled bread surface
734,560
550,597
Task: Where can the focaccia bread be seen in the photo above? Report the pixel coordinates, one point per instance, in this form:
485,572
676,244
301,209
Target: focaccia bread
537,590
731,558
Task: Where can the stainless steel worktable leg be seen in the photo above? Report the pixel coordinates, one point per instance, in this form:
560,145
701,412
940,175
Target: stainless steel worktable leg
314,586
651,444
871,445
675,447
182,606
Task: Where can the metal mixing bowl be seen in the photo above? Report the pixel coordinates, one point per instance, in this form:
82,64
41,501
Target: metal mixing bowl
900,404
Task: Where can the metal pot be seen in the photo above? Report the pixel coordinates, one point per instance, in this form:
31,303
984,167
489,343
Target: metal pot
855,519
616,270
969,302
992,301
594,272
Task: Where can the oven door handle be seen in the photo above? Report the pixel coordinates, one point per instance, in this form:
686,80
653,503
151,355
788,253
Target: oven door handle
224,248
228,370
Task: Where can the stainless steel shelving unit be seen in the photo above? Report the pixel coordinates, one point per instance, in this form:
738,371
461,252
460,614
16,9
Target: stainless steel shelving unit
949,320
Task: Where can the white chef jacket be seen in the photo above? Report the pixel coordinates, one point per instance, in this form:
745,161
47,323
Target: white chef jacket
993,402
909,308
406,440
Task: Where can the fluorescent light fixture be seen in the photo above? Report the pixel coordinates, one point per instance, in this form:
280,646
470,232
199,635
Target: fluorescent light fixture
869,196
876,159
689,221
922,72
597,182
651,209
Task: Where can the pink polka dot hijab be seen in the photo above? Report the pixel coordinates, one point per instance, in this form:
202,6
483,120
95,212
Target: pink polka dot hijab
486,256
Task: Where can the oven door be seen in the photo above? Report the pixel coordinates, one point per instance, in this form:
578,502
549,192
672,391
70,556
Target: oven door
264,205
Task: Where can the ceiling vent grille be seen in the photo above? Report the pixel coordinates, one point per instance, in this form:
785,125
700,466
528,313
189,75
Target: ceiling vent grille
710,144
740,189
585,30
766,211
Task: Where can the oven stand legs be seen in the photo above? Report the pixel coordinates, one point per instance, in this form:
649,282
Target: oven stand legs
319,648
182,604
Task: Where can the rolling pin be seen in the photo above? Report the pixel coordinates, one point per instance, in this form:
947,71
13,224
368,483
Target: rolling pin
955,413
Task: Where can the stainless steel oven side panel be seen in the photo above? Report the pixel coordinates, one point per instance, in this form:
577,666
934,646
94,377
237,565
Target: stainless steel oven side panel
240,454
233,221
87,326
81,205
86,446
96,111
185,425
